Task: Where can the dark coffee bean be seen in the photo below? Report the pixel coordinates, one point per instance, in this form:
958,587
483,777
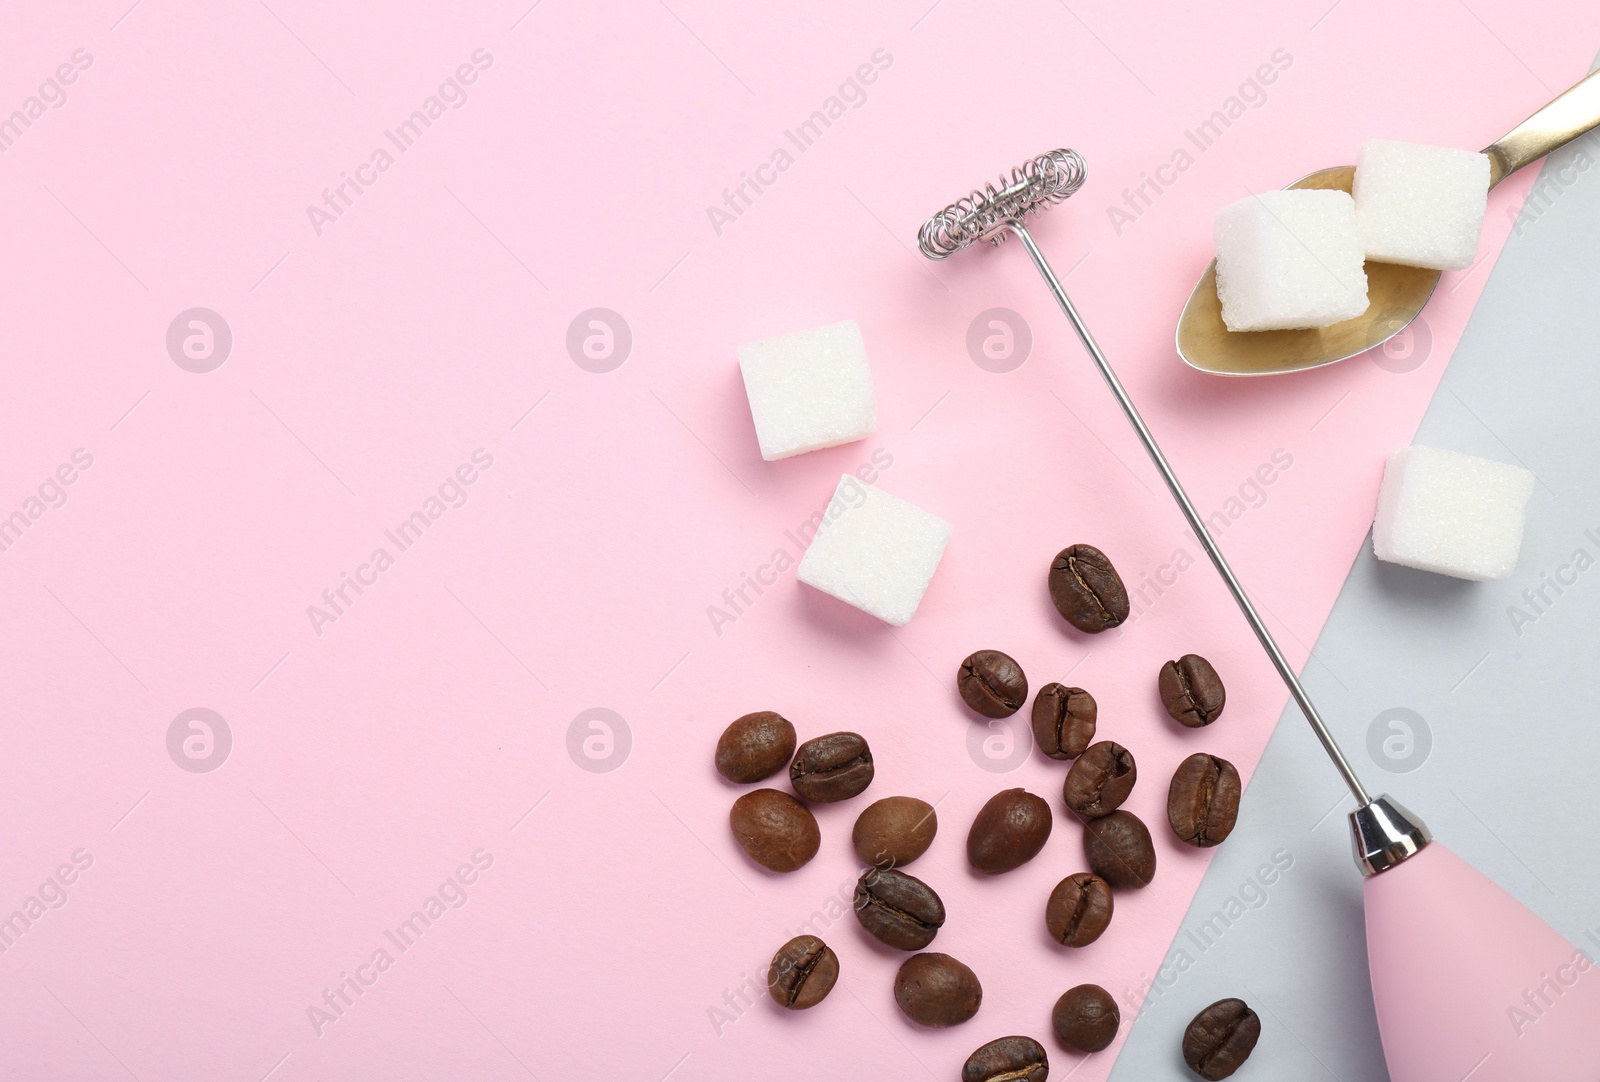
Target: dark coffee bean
755,746
1100,780
775,829
934,989
1079,909
1120,850
1220,1038
898,909
1086,589
1086,1018
832,767
1192,691
1010,1059
894,831
1008,832
1203,800
992,684
1063,720
802,973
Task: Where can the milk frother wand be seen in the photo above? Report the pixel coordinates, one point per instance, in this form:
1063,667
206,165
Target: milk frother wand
1466,981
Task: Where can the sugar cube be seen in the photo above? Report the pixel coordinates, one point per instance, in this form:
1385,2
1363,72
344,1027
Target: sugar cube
809,390
1451,513
1288,259
874,551
1420,205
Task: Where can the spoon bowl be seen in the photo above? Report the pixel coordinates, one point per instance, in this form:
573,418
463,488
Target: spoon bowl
1396,294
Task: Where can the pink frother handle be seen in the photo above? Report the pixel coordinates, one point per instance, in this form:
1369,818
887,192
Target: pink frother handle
1470,984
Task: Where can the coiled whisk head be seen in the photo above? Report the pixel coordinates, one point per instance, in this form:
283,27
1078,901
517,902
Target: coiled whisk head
987,214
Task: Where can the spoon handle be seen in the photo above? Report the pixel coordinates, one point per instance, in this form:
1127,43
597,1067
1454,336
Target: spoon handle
1553,127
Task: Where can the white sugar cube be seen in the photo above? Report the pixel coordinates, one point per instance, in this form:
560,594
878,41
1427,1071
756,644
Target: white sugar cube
1289,259
874,551
1419,205
809,390
1451,513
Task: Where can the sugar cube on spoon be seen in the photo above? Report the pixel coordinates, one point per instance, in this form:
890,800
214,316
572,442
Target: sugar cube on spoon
1290,259
1420,206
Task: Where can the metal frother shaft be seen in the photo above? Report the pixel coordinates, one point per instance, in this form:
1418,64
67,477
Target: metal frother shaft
1383,833
1196,524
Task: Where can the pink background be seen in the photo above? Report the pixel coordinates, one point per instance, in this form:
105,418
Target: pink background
420,726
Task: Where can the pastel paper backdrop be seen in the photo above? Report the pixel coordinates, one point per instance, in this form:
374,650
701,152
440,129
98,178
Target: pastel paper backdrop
441,502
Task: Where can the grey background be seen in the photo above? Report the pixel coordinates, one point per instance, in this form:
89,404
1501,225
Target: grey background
1509,780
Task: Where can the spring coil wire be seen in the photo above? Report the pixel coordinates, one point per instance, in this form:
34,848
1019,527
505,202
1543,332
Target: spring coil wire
985,214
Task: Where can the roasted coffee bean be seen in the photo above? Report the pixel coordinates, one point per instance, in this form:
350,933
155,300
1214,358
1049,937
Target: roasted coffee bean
1220,1038
832,767
934,989
1100,780
802,973
1192,691
1120,850
1063,720
1086,589
1086,1018
894,831
898,909
775,829
755,746
1008,832
1203,800
1010,1059
992,683
1079,909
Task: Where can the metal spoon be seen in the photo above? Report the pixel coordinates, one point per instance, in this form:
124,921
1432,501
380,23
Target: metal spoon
1396,294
